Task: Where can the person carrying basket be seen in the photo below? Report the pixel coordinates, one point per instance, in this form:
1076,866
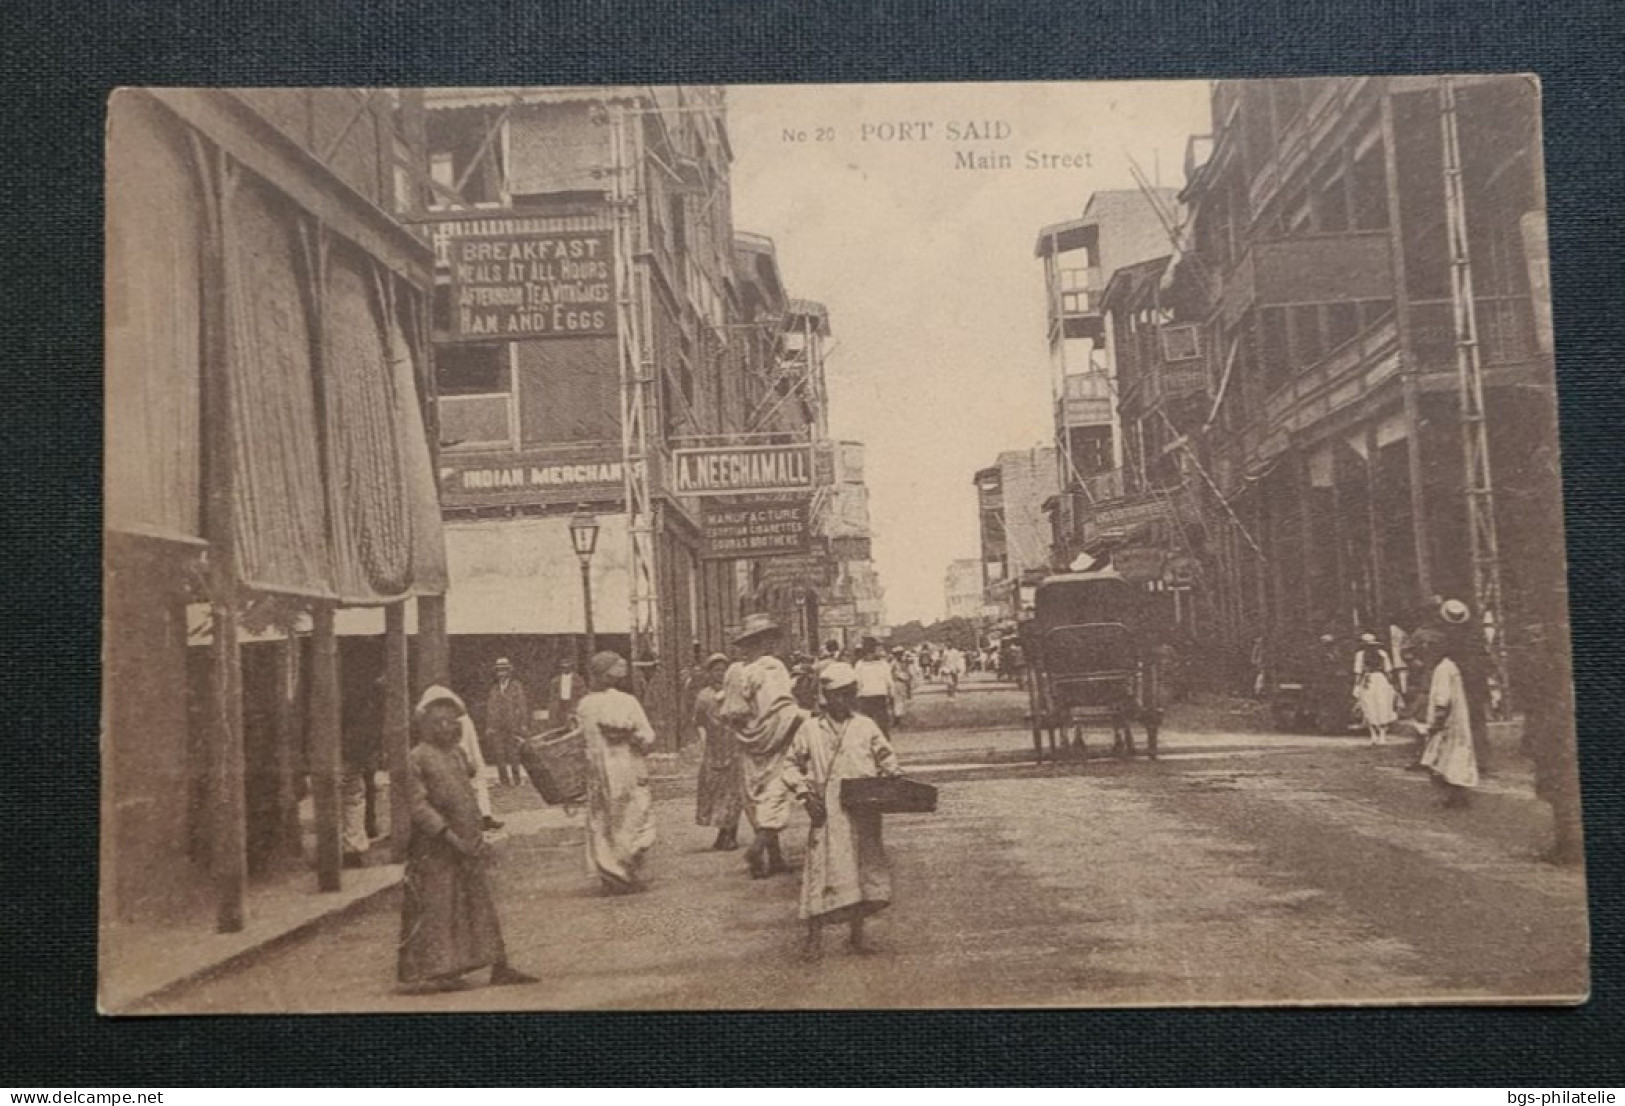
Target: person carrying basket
845,877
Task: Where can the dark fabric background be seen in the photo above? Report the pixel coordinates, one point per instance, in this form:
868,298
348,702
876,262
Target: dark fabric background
60,60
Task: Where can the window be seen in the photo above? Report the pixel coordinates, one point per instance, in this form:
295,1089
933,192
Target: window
1330,201
1308,346
1277,351
472,370
1342,322
476,402
1368,185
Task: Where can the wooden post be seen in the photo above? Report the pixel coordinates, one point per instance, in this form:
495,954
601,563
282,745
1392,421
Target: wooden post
1340,567
229,826
1306,532
434,652
1407,358
228,822
397,728
289,730
1373,481
326,757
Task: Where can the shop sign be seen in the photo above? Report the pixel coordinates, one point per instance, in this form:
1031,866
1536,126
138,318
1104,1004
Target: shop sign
742,470
762,528
531,477
531,284
806,571
839,616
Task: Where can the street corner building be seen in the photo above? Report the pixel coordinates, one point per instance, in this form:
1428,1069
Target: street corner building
270,444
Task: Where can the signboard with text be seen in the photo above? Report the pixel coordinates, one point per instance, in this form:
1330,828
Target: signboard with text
531,284
749,530
531,477
837,616
742,470
806,571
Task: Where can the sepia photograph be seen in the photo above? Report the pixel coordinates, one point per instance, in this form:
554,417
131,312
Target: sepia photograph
887,546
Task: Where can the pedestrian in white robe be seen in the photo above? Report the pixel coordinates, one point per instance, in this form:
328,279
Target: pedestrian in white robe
759,706
1374,688
1448,753
845,877
620,806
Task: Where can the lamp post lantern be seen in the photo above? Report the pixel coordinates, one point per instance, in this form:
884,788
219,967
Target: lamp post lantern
584,537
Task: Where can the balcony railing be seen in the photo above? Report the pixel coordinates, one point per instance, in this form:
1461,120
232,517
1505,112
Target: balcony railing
1506,332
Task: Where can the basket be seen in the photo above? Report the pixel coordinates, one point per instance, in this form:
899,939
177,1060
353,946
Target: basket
888,795
556,761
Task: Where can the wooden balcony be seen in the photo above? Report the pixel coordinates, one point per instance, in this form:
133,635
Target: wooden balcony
1321,268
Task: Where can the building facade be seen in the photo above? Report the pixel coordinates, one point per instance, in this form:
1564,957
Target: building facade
962,589
1015,526
1117,228
1342,387
607,341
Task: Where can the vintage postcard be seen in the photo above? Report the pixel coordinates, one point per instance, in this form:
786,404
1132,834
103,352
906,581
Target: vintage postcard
845,546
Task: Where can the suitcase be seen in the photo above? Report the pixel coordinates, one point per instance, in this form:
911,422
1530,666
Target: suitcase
888,795
556,762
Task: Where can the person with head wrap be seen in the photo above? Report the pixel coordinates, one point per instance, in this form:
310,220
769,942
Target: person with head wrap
720,800
759,706
845,877
620,806
449,921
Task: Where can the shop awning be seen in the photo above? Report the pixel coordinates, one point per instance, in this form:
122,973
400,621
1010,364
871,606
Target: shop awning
521,576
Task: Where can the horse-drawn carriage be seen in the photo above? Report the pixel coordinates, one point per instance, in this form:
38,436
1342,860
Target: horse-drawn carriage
1092,659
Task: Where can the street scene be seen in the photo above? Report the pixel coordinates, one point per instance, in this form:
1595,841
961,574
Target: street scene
834,547
1241,867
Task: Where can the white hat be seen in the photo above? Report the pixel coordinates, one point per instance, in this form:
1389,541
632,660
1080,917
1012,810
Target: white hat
504,662
836,675
436,694
1368,639
1454,611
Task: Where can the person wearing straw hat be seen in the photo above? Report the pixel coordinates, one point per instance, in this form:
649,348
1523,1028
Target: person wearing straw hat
1471,654
845,877
449,923
759,707
720,799
1374,688
1448,751
620,806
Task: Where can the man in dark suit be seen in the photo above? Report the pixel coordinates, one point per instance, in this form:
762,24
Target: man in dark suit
507,723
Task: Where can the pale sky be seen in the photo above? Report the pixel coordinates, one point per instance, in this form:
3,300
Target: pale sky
936,300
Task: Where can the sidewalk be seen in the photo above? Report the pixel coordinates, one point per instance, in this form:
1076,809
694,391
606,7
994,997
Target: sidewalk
141,962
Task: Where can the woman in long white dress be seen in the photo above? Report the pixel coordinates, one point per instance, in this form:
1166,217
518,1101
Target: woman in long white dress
620,806
1448,753
1374,688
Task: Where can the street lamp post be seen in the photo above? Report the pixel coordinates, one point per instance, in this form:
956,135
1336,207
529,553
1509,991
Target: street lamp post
584,537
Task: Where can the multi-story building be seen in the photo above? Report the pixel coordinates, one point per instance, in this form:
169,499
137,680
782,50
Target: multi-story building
1117,228
608,341
1015,528
1365,266
588,326
268,387
962,589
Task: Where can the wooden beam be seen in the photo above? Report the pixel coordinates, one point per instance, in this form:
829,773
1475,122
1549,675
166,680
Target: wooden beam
326,758
434,650
289,731
397,728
